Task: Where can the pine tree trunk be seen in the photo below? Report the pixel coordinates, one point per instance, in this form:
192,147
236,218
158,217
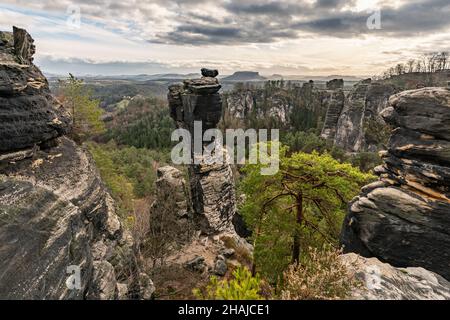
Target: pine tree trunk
299,220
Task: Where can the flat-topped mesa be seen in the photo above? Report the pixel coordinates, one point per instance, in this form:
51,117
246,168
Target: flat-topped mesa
404,218
212,187
29,115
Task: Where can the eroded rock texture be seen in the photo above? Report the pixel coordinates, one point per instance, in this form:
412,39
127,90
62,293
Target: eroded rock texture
211,184
171,212
404,218
359,126
381,281
55,212
349,119
29,115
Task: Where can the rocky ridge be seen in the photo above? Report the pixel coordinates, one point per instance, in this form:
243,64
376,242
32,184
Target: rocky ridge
350,119
403,218
56,215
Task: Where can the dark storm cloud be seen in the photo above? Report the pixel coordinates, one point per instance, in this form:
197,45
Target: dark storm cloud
203,22
269,21
270,8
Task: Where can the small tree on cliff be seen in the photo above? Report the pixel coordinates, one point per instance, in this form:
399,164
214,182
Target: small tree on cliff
305,200
85,111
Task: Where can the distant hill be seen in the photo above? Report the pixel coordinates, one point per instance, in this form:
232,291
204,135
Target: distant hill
244,76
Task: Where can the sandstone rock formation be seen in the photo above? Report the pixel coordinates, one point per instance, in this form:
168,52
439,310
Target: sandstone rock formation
350,119
359,126
335,84
55,213
211,207
211,184
381,281
171,212
404,218
335,102
29,114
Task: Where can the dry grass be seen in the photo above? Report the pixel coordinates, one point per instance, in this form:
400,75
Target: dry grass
322,276
175,282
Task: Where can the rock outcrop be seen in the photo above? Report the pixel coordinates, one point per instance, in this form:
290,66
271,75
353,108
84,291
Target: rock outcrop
60,237
211,184
359,126
171,212
350,119
381,281
404,218
210,210
335,84
335,100
29,115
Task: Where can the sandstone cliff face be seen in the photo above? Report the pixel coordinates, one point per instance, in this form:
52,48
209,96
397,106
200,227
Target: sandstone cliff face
404,218
55,213
350,119
359,126
29,114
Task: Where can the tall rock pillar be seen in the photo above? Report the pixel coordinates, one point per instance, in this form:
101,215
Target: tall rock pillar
211,185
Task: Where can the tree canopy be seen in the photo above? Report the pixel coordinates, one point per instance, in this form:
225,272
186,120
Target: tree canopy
303,203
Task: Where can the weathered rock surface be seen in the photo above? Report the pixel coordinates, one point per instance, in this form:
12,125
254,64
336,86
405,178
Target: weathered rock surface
404,218
211,184
56,213
171,212
56,216
381,281
335,84
350,119
335,101
29,114
359,126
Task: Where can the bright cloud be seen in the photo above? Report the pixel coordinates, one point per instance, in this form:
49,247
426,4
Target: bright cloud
290,36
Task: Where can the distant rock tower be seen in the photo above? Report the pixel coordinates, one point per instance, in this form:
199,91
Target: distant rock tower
212,187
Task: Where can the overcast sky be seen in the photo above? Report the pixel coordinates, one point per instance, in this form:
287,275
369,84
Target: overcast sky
302,37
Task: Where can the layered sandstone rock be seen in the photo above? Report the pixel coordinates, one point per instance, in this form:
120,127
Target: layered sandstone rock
404,218
359,126
335,103
171,212
56,215
211,184
29,114
381,281
349,119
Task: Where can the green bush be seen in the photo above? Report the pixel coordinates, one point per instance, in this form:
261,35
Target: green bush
243,286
